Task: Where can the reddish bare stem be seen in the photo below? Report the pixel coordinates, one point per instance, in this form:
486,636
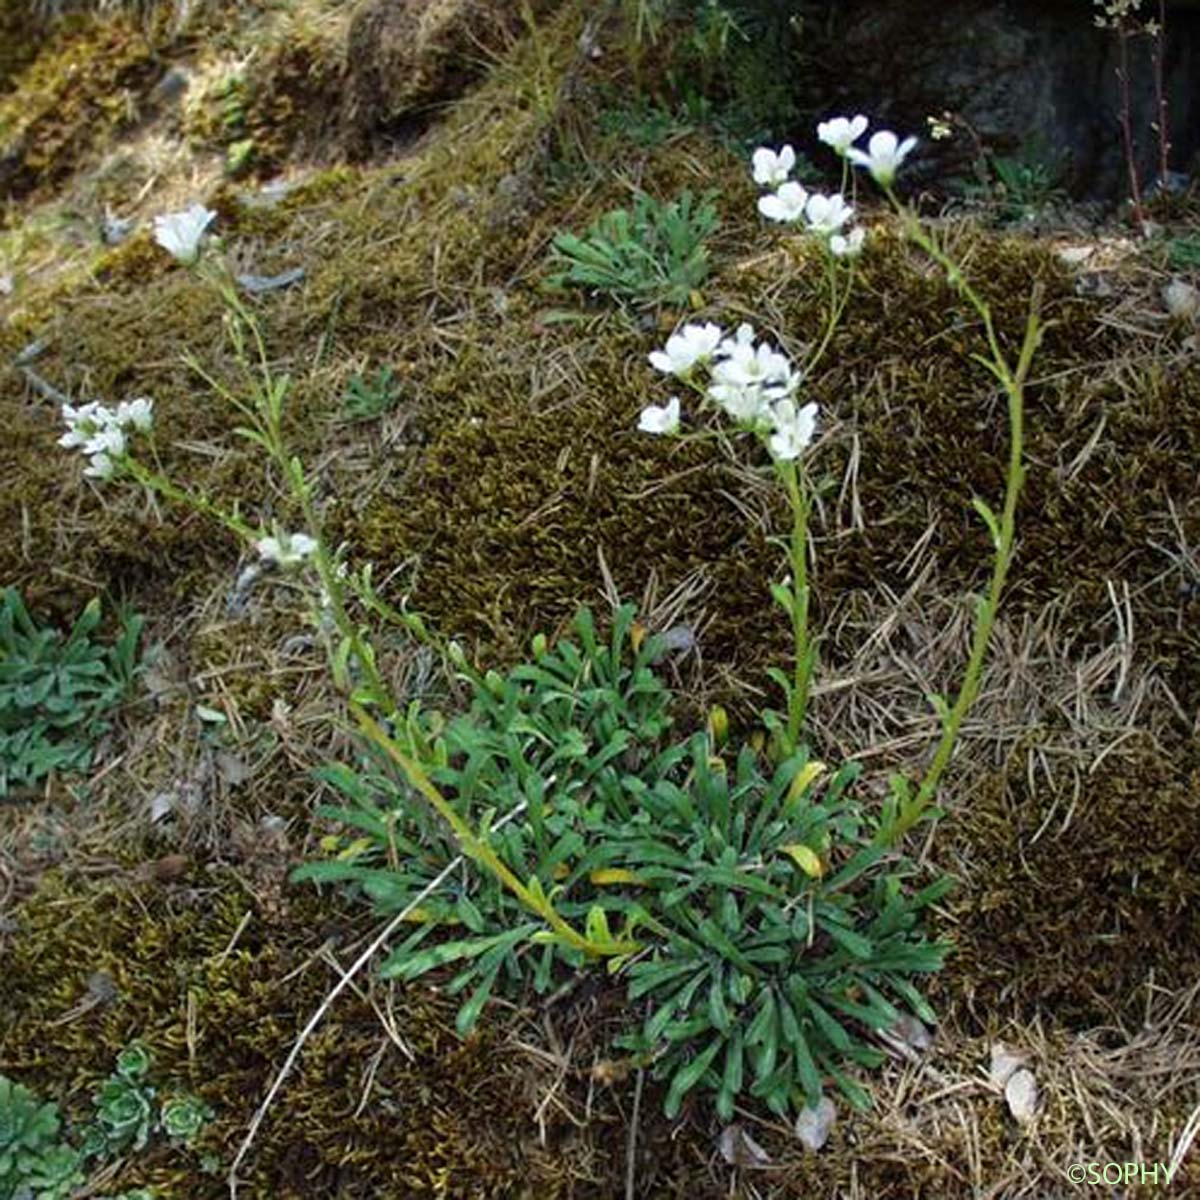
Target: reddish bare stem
1135,191
1160,94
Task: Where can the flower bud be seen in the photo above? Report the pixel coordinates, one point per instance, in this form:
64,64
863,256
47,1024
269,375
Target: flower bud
718,726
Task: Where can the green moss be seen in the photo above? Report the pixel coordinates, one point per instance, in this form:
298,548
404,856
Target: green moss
514,495
80,89
133,264
1075,900
18,40
322,187
437,1122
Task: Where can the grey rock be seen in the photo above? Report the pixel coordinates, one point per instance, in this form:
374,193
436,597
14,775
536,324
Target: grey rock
171,86
1033,78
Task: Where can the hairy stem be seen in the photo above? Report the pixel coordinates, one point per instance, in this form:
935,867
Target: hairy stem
156,481
1012,381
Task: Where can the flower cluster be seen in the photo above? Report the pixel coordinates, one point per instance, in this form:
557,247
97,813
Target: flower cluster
101,432
828,216
754,384
825,216
1120,14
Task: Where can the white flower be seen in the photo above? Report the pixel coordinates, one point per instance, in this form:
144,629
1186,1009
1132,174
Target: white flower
848,246
745,404
101,467
660,418
92,411
83,423
100,432
287,549
783,386
743,337
109,441
748,366
827,214
138,413
794,429
883,156
787,204
180,233
692,344
841,131
771,169
76,435
93,428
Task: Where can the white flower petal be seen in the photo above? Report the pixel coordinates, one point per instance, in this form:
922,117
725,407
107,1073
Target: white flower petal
839,132
692,344
770,168
827,214
100,467
793,429
743,403
664,418
787,203
884,155
848,246
180,233
774,209
108,441
743,337
139,413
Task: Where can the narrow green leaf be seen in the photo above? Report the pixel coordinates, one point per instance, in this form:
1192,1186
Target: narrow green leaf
989,519
689,1075
718,1013
467,1016
832,1030
854,943
785,598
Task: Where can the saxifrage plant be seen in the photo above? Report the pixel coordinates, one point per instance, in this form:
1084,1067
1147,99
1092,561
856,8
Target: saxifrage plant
56,690
653,253
767,929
